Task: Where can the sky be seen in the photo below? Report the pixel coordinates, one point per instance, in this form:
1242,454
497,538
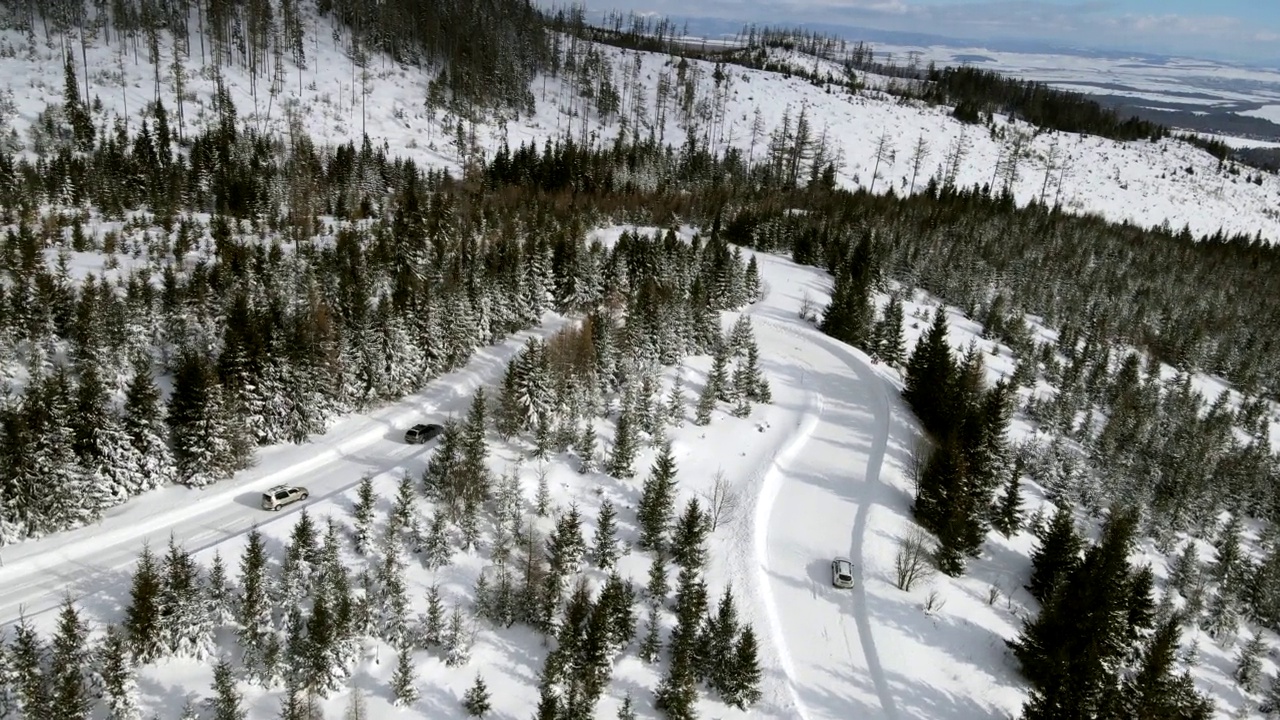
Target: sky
1216,29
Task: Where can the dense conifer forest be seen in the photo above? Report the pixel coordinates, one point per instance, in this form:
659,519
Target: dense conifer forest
264,287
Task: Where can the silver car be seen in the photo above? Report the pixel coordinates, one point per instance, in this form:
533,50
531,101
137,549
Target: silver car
281,495
842,573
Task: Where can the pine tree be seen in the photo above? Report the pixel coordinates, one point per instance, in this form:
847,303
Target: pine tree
890,346
1153,691
71,697
404,684
433,622
363,513
658,585
32,683
142,616
226,701
542,496
474,480
718,378
706,404
688,541
1249,664
477,700
1057,556
565,546
675,399
930,376
145,426
1185,573
184,625
586,449
457,640
626,711
217,592
625,444
743,683
605,543
651,645
1008,512
849,316
437,552
1228,568
119,682
715,645
1222,619
657,501
253,611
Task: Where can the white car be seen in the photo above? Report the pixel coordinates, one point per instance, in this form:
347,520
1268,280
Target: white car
842,573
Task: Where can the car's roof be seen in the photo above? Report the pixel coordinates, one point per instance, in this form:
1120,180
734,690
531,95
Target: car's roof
843,560
420,427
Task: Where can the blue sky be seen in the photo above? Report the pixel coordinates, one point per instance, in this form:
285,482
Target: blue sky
1218,29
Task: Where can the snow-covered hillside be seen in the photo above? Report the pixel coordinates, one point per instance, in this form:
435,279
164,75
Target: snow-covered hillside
1140,182
822,471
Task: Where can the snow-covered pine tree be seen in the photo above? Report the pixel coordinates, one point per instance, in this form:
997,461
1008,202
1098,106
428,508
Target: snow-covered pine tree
184,621
197,420
651,645
890,345
391,607
325,673
706,403
605,543
403,510
145,426
71,696
477,700
67,499
457,640
742,688
587,449
658,585
363,514
437,552
625,442
142,623
1008,511
565,547
743,386
227,702
474,480
106,456
716,645
542,496
676,400
688,540
32,683
1249,664
253,609
119,680
404,682
1221,619
657,501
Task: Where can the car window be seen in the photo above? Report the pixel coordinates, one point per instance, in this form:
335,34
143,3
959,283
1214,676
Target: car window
282,495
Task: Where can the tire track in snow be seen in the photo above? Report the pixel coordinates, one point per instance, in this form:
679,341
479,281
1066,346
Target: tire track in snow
770,487
875,460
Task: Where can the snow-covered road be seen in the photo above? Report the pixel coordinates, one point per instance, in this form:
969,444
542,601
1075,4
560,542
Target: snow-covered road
814,504
93,564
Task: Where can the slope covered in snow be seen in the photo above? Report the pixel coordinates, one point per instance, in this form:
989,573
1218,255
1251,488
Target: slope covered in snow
336,101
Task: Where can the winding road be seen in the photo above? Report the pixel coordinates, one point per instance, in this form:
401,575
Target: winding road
814,503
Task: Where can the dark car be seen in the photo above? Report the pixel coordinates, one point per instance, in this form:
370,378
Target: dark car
420,433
